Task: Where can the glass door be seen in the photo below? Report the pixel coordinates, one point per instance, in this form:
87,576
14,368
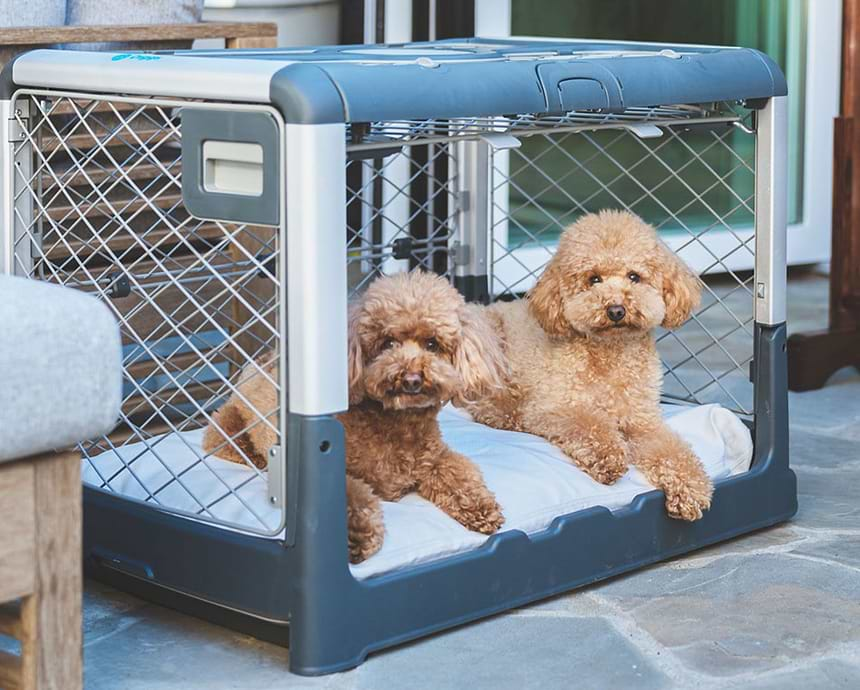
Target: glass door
802,36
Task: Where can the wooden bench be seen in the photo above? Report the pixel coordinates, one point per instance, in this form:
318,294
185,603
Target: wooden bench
40,571
235,34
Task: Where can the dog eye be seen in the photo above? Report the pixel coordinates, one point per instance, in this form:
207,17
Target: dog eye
634,277
388,343
594,280
432,345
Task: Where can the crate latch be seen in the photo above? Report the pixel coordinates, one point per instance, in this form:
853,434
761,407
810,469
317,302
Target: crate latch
277,478
643,130
500,141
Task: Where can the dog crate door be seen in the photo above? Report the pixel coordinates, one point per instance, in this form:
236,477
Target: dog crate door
231,164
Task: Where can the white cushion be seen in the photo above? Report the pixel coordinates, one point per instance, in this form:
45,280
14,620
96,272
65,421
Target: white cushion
533,481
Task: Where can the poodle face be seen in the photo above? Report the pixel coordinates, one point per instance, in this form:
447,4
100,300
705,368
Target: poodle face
415,343
611,276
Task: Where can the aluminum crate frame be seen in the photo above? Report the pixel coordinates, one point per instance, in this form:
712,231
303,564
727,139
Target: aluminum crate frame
299,588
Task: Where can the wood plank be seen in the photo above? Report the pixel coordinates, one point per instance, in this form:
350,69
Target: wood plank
259,42
71,178
166,398
32,36
102,209
17,530
113,140
165,238
51,644
10,671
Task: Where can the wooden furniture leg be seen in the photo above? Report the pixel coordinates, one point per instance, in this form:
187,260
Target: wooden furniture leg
814,357
47,495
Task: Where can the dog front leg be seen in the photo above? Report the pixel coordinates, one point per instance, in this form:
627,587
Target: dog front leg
670,464
365,525
455,485
591,440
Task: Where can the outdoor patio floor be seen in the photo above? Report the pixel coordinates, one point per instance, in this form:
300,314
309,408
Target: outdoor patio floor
776,609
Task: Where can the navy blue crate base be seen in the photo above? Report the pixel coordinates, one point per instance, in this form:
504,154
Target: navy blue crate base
334,620
510,570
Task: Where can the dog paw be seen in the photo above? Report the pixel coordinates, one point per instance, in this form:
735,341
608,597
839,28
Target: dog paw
365,523
689,502
480,513
364,540
604,465
604,458
607,470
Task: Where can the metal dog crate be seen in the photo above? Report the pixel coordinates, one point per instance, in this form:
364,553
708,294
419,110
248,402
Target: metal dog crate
225,204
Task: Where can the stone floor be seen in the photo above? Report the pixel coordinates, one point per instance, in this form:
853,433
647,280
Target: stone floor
776,609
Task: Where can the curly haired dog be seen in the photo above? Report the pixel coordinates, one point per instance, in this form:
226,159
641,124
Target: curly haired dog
414,345
585,373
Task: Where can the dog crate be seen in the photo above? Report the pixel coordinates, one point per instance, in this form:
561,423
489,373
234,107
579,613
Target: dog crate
226,204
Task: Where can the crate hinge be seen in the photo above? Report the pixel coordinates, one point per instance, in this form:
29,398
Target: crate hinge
277,476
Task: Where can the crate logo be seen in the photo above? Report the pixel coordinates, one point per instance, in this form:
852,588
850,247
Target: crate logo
134,56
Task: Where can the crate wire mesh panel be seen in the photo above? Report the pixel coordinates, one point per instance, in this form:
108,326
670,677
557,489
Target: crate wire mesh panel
689,170
694,181
98,207
401,212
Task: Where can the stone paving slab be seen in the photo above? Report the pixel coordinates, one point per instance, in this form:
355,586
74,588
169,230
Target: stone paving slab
816,451
131,645
834,410
737,615
832,674
516,652
828,500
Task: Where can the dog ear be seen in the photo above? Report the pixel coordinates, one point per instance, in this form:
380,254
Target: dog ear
355,357
545,302
230,422
479,357
682,289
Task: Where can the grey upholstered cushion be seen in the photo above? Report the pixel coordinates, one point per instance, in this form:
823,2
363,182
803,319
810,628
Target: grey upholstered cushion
60,367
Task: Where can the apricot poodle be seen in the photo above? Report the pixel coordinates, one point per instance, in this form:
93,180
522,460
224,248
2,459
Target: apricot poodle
584,369
414,345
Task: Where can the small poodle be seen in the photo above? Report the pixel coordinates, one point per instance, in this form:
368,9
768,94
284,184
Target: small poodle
584,369
414,345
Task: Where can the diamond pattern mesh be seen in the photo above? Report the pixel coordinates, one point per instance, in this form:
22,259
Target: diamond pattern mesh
98,207
695,184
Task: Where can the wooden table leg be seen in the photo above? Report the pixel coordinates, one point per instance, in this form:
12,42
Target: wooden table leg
51,635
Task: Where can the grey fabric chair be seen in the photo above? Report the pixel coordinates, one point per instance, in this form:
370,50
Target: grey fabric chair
60,367
60,383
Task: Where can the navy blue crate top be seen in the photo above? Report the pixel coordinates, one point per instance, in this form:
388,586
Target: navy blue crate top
480,77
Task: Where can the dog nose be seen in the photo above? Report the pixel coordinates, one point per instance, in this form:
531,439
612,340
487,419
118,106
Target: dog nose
615,312
411,383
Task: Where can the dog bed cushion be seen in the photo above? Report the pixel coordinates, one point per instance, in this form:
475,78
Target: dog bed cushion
533,481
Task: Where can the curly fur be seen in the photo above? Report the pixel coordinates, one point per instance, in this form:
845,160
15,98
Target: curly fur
592,385
404,326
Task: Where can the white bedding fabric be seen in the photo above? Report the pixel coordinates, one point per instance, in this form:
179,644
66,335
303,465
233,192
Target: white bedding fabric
532,480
